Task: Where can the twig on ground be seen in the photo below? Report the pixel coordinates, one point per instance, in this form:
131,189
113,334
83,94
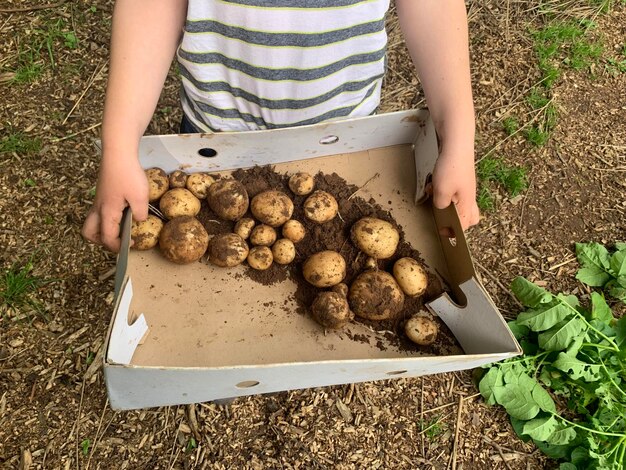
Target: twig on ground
495,279
499,449
90,82
77,425
69,136
451,404
456,433
97,437
32,8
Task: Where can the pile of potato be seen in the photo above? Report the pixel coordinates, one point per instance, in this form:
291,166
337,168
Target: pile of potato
270,235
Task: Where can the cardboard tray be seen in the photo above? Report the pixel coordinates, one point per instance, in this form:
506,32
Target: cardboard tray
193,333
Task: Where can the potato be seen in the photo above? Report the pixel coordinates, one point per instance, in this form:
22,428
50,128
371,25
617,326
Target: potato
183,240
375,295
260,258
324,269
198,184
320,207
421,329
341,289
294,230
301,183
331,310
178,179
227,250
158,183
179,202
228,198
371,263
272,208
244,227
411,276
375,237
263,235
284,251
145,234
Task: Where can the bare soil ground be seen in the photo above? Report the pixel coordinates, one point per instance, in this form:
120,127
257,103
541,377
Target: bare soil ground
54,411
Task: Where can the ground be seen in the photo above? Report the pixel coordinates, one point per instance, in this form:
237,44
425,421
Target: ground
54,411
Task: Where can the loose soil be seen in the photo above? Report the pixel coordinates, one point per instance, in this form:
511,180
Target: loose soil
54,410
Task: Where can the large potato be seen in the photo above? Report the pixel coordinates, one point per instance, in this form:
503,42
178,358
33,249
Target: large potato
375,237
410,276
324,269
198,184
321,207
183,240
301,183
375,295
158,183
228,199
227,250
331,310
145,234
272,207
179,202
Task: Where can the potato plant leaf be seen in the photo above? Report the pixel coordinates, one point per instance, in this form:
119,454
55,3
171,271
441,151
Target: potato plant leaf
577,369
563,435
562,335
599,308
544,317
530,294
493,378
601,269
541,428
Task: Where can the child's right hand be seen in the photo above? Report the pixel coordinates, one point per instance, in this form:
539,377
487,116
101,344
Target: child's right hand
121,183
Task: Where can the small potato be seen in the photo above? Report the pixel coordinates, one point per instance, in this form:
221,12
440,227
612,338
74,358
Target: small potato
421,329
301,183
263,235
272,208
294,230
371,263
375,237
284,251
321,207
198,184
244,227
331,310
145,234
260,258
411,276
183,240
341,289
228,198
158,183
178,202
375,295
324,269
178,179
227,250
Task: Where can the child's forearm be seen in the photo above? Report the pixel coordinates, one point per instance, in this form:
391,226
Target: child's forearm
143,43
436,34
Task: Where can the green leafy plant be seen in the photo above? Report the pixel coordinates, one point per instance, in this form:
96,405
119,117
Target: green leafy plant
85,445
567,392
603,269
513,179
16,142
17,286
510,125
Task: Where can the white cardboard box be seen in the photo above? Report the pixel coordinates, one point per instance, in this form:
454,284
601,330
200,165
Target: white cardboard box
193,333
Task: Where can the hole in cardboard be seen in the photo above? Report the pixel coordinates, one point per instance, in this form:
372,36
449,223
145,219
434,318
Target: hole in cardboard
207,152
448,232
329,139
397,372
452,241
247,384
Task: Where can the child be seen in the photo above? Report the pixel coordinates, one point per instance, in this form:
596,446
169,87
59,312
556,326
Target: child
255,64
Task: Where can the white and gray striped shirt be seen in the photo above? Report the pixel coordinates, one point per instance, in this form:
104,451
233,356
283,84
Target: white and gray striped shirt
264,64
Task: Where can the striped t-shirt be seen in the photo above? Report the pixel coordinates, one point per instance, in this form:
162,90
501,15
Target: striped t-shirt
264,64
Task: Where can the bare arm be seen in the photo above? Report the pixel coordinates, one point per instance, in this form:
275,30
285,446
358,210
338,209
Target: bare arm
436,34
143,43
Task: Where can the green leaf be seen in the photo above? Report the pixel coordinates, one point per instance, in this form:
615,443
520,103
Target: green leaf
577,369
491,379
593,276
620,328
618,293
519,331
541,428
552,451
544,319
562,335
542,397
567,466
530,294
599,308
563,435
593,254
518,427
618,263
620,246
517,401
